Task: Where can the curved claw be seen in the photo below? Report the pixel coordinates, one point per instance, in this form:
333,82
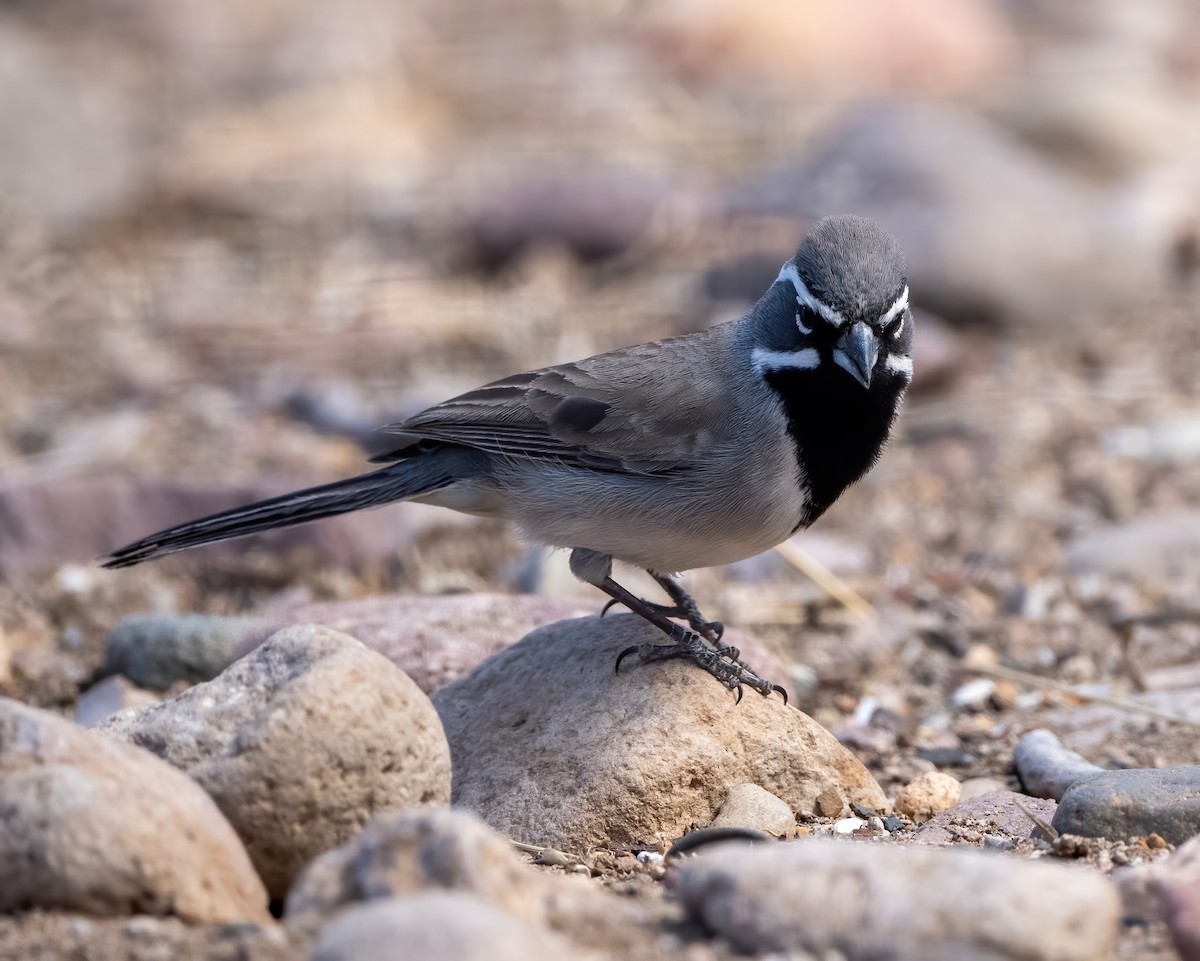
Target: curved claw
605,609
782,693
632,649
740,692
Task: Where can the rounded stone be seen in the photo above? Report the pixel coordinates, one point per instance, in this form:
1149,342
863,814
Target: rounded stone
551,746
103,828
927,796
300,743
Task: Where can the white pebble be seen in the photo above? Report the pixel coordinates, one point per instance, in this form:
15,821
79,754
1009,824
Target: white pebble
973,693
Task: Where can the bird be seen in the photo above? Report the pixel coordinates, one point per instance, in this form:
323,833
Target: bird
694,451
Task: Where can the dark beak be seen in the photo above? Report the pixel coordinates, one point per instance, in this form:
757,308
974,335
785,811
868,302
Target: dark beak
856,352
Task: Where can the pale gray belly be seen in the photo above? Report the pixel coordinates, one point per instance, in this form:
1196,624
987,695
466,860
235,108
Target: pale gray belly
663,524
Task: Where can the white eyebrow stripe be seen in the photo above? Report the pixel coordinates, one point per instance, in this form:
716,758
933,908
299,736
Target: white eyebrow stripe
764,360
900,304
900,365
805,298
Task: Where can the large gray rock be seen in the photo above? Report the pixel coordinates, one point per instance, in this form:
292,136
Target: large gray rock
99,827
552,746
1133,803
441,926
300,743
905,904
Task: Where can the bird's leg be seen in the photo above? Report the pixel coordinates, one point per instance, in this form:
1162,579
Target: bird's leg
685,607
596,569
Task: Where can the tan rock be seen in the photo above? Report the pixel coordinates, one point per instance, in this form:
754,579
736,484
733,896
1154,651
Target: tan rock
300,743
100,827
930,794
749,806
551,746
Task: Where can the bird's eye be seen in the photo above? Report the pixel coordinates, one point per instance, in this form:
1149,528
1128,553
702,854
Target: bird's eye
804,320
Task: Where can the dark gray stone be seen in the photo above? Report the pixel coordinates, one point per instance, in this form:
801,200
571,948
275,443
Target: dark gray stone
155,651
1046,768
1133,803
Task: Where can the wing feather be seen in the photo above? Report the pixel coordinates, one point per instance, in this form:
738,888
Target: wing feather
634,410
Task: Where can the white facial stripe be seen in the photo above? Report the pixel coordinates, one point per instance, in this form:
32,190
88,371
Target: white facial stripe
899,365
805,299
765,360
896,308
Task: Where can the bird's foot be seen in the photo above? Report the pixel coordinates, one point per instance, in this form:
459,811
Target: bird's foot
722,663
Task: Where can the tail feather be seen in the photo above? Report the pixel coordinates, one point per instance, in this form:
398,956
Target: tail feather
393,483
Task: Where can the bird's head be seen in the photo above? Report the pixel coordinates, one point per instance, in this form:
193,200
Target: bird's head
847,306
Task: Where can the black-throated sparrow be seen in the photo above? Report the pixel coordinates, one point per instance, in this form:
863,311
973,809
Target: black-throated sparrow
690,452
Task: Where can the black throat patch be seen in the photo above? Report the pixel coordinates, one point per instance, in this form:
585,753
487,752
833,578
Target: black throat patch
838,427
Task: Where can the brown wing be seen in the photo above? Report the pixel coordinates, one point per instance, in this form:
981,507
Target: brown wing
646,409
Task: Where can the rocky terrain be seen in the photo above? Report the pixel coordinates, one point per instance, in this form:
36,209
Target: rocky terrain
236,237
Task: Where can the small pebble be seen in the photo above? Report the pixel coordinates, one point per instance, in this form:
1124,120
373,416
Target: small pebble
650,857
848,825
928,795
892,825
973,693
829,803
994,842
750,806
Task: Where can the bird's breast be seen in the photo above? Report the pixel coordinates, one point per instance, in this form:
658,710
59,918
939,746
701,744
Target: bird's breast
838,429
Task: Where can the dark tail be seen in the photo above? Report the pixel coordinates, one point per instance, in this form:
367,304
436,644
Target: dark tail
396,482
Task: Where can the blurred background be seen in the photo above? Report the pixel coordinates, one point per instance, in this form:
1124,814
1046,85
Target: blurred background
236,235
